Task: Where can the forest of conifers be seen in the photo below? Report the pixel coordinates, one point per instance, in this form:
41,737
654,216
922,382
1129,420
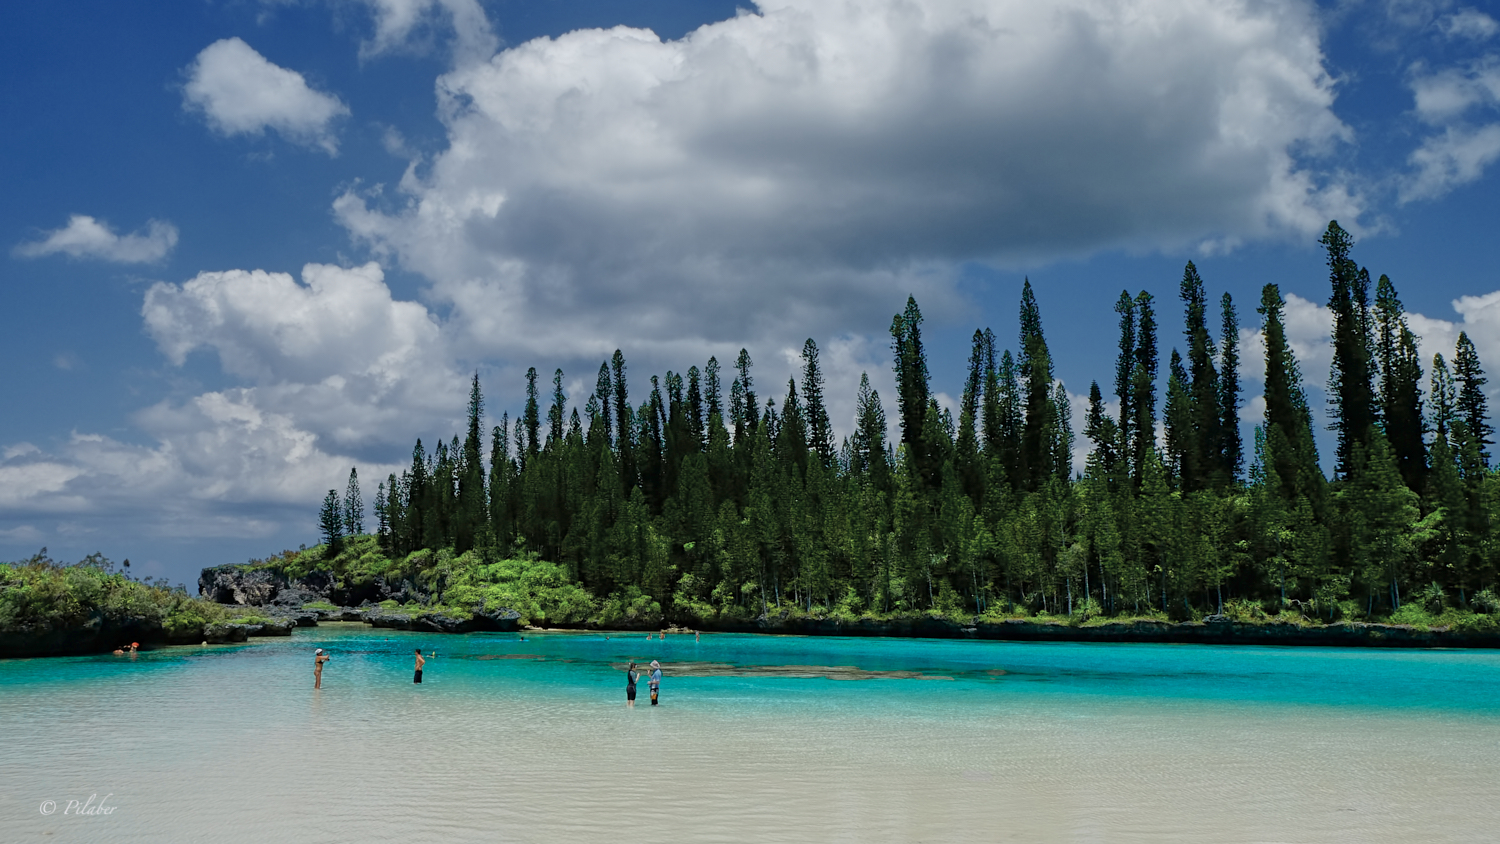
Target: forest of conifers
741,505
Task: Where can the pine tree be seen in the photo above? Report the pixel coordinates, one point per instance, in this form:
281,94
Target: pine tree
417,503
532,419
395,515
1400,374
912,390
331,523
624,424
1102,431
1181,455
1036,375
993,423
744,413
1062,436
1470,404
1007,450
557,412
868,444
820,429
1233,451
354,507
1143,385
713,392
1349,383
502,473
1202,438
1443,397
472,499
604,392
1291,451
1125,370
693,404
383,518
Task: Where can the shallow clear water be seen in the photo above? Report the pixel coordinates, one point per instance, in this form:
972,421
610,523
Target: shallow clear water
757,738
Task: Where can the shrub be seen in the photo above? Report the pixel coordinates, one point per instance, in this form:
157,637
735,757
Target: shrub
1485,601
1430,597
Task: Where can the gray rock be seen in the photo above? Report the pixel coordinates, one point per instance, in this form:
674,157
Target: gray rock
223,633
237,585
378,617
274,627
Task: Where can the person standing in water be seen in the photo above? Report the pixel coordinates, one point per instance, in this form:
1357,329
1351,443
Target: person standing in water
655,680
318,659
420,662
631,676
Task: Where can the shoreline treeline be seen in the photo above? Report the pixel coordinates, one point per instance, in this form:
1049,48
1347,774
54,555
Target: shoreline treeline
715,504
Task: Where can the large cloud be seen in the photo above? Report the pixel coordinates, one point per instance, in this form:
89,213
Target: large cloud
799,170
351,364
336,371
240,92
86,237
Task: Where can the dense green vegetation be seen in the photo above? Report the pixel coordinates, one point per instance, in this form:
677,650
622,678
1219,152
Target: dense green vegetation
710,508
40,595
458,584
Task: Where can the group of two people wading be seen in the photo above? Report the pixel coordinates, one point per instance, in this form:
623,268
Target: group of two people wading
653,680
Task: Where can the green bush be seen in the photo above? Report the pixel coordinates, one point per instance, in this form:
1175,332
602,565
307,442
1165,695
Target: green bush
1485,601
1430,597
631,606
1413,614
41,594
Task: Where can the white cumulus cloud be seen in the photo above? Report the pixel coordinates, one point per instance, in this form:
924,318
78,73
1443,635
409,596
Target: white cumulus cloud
1469,24
409,25
349,363
86,237
801,169
1458,104
335,373
239,92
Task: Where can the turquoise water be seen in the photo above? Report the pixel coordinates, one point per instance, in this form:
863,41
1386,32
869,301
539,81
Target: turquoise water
757,738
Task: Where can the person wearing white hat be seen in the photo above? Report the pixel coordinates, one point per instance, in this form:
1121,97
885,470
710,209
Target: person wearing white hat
655,680
318,659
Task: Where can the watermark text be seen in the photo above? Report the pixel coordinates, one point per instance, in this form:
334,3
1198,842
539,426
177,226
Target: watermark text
91,806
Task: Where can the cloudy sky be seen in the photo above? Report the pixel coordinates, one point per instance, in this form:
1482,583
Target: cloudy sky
249,244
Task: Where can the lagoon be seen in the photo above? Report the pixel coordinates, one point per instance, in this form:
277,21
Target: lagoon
759,738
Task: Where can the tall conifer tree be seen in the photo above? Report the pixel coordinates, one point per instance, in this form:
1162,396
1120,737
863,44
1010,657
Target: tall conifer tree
1203,440
354,507
1125,364
912,390
1349,382
1229,390
819,427
1400,374
1143,385
1470,405
1040,412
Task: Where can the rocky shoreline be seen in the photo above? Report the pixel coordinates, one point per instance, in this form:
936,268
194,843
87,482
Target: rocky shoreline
274,593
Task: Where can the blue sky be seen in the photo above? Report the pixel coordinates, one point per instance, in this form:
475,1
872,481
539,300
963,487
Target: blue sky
251,244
